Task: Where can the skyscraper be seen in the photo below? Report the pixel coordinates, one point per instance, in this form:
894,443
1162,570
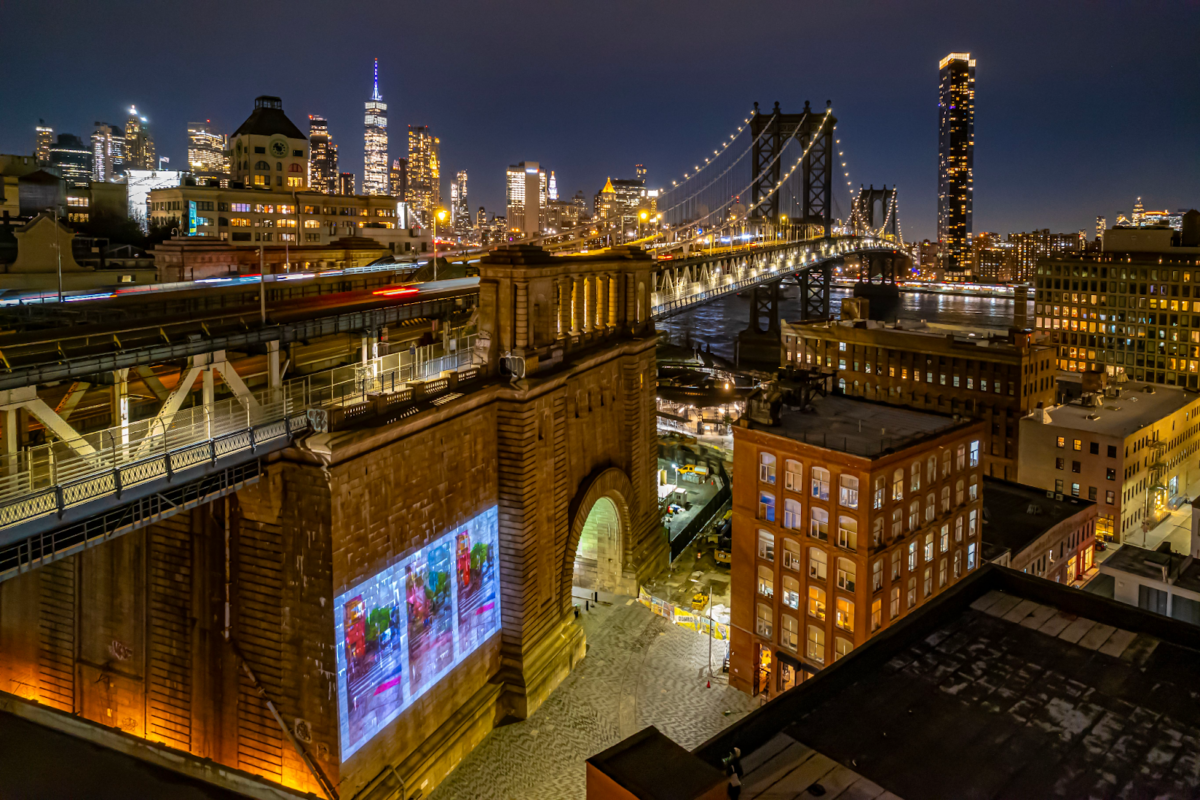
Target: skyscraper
398,178
208,155
108,153
375,159
526,195
346,183
481,225
1101,225
45,140
73,159
553,186
322,157
956,159
139,145
424,173
460,209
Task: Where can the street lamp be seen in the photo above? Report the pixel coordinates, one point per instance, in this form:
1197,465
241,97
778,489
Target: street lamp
782,222
642,217
438,217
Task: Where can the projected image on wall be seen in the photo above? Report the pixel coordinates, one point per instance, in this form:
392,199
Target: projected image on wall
400,631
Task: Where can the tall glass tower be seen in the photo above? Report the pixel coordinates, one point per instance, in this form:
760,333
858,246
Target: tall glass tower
956,160
375,160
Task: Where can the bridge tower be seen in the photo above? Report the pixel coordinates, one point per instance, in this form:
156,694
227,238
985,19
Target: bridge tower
875,210
776,130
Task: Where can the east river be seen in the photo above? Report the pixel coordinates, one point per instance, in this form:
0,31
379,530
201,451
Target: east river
717,324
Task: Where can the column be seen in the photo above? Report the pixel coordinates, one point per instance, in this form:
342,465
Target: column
521,316
577,305
564,306
601,302
274,376
614,299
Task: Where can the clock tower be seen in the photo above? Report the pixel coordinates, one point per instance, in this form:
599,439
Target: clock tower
268,151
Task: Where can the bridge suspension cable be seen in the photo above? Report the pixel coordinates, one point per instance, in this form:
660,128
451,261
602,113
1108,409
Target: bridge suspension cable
746,152
716,153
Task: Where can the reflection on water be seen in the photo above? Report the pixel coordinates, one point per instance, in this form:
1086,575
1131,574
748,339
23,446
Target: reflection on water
717,324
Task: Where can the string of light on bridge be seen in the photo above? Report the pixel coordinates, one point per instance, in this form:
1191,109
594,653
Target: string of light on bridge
716,153
782,181
766,129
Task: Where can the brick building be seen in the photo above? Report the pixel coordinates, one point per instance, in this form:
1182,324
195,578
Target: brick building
996,379
1037,531
846,517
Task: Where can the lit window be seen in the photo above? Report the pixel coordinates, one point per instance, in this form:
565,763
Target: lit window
763,623
914,515
766,506
789,636
928,581
894,603
766,545
766,582
898,484
915,483
791,592
816,602
820,524
820,483
766,468
815,646
848,491
792,476
817,564
845,614
791,514
848,533
876,614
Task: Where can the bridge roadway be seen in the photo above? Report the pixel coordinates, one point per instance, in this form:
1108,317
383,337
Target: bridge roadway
685,283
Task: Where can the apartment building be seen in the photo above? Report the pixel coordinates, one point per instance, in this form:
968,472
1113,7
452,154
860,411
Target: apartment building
1130,448
1132,309
995,379
846,517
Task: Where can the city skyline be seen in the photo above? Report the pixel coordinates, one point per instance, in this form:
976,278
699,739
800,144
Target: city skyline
1037,167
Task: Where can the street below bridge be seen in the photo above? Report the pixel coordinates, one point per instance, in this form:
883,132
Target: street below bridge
639,670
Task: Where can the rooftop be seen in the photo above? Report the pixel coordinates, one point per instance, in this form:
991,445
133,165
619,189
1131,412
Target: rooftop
856,426
1137,406
649,765
1178,569
1006,686
1015,515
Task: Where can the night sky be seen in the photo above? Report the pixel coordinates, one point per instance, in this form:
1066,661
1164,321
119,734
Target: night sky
1080,107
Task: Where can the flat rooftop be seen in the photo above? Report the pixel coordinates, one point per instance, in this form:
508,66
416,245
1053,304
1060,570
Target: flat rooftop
963,335
1007,686
1015,515
1146,563
858,427
1121,416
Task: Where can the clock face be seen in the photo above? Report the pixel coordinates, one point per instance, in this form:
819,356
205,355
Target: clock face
279,148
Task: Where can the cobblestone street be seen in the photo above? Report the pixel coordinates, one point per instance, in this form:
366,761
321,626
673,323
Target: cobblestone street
640,670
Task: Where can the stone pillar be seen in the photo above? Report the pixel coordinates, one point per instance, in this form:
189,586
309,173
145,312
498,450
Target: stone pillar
577,305
120,403
521,337
589,302
564,307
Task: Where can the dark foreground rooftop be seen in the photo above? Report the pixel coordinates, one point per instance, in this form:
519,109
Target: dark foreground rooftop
1005,687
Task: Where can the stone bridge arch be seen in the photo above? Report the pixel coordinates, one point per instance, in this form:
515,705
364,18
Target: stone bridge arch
600,512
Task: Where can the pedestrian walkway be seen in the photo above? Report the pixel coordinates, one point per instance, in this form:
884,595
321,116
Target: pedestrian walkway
639,670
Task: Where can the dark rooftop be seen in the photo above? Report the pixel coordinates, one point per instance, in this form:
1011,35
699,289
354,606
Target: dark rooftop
268,119
1004,687
1015,515
651,766
856,426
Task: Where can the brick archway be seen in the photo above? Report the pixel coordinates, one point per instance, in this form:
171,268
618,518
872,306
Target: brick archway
613,485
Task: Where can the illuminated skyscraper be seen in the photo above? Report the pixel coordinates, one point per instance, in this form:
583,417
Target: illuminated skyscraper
1101,225
1138,212
526,195
553,186
424,173
45,140
398,178
139,145
956,159
481,224
73,159
346,183
322,157
459,206
208,154
375,159
108,153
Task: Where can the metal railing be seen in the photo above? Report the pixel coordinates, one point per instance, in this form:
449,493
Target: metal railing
60,475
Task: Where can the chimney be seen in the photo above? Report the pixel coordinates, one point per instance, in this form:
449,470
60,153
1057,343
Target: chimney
1190,233
1021,308
1040,414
